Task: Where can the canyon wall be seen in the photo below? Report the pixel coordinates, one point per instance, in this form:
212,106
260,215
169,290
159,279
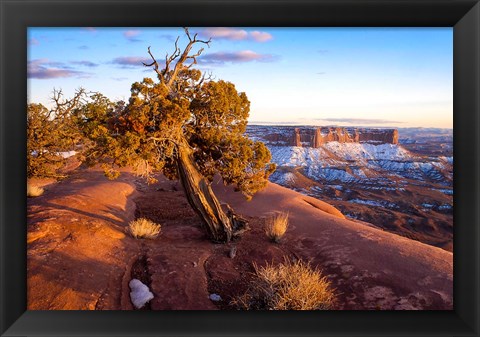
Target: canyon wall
316,136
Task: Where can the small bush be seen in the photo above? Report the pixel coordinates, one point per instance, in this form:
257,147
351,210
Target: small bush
288,286
276,226
144,229
34,191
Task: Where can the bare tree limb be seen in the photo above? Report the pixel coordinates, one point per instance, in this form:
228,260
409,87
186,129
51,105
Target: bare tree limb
177,60
64,107
155,64
186,55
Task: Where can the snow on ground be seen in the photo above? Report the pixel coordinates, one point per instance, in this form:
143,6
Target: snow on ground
140,294
294,156
330,174
359,162
447,159
359,151
375,203
445,207
67,154
384,188
283,178
444,190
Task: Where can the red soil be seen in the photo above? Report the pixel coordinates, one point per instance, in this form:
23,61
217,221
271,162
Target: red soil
81,257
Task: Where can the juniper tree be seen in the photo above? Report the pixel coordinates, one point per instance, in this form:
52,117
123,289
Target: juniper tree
50,132
187,126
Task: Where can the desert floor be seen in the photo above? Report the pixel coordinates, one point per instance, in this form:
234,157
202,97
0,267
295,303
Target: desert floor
80,255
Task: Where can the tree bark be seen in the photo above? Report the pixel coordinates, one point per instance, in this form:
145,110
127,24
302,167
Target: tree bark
221,225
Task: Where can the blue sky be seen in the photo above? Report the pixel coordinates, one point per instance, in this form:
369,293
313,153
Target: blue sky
379,77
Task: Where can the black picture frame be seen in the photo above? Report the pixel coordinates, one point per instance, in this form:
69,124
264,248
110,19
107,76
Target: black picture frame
17,15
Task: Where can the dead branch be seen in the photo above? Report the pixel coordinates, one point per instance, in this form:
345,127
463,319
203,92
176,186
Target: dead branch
185,55
177,60
65,106
155,64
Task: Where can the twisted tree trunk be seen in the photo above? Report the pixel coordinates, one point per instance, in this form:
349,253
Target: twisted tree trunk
220,224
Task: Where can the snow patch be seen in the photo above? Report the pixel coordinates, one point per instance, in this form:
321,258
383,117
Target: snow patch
139,294
375,203
445,191
361,162
67,154
283,178
215,297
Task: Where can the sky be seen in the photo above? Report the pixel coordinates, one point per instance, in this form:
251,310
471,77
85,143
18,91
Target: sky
376,77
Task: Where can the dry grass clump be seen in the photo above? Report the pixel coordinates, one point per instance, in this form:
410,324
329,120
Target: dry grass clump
288,286
34,191
144,229
276,226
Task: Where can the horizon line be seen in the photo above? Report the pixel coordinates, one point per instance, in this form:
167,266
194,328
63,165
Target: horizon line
263,123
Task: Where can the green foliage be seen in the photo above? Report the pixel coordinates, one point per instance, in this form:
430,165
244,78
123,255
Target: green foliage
217,133
210,115
50,132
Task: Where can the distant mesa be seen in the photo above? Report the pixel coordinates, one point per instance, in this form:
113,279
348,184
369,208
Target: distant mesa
316,136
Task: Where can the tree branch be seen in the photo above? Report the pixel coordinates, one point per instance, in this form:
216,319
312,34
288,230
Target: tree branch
155,64
185,55
167,76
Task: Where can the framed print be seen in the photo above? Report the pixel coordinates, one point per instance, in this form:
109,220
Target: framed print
207,168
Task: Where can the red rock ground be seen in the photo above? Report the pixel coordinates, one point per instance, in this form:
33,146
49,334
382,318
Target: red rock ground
80,255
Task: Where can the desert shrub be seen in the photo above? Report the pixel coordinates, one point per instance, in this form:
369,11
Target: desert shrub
51,132
287,286
34,191
144,229
276,226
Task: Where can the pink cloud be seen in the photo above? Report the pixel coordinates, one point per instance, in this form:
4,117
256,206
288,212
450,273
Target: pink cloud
224,33
220,58
260,36
131,61
131,35
235,34
44,69
86,63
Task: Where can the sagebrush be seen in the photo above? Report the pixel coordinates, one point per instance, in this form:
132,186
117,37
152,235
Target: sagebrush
276,226
144,229
34,191
287,286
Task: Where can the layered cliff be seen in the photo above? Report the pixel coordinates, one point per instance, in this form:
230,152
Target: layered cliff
317,136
